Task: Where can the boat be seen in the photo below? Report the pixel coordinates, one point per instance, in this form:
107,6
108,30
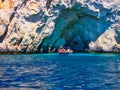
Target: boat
65,51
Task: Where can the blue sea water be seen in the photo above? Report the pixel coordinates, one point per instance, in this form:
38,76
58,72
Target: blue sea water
83,71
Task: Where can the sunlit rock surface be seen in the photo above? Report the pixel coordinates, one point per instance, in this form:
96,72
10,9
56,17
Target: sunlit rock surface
46,25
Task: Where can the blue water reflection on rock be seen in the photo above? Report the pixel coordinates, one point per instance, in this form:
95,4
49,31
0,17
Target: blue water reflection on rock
60,72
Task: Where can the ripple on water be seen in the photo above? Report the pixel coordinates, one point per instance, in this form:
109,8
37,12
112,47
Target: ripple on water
56,72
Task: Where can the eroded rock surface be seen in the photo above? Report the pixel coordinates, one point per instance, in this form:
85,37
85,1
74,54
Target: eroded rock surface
46,25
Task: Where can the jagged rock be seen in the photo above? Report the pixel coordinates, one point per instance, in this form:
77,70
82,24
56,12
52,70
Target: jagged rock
46,25
108,41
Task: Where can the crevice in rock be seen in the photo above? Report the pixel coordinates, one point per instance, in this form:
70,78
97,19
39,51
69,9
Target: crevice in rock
2,0
117,38
15,10
48,4
24,3
12,16
4,35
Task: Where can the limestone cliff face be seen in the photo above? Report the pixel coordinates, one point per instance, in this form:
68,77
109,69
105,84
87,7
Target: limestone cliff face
46,25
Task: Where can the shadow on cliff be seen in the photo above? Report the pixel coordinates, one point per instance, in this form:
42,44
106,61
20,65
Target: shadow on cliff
36,17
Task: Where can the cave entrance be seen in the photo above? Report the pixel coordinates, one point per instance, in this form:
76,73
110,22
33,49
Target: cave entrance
76,29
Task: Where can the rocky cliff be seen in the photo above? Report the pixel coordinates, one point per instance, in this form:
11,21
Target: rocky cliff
46,25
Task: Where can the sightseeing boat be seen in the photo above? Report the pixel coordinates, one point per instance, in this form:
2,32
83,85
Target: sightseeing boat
65,51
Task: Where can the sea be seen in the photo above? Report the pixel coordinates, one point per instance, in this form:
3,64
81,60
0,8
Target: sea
77,71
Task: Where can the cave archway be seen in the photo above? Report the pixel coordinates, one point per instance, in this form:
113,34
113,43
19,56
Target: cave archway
76,29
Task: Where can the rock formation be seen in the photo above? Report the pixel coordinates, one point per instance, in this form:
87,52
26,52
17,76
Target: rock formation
46,25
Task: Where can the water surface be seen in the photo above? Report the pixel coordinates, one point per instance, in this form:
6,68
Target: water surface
60,72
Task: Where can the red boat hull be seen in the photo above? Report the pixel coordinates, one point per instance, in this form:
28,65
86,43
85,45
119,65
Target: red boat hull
65,51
